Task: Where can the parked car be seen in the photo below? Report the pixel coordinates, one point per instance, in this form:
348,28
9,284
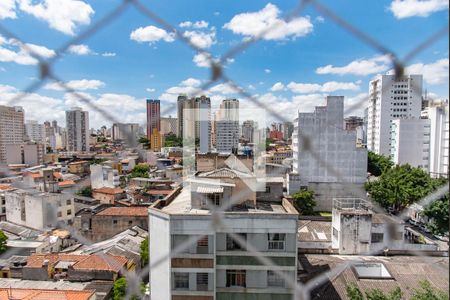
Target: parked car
412,222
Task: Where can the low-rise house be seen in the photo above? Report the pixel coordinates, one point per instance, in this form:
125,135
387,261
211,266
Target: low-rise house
108,195
78,167
38,294
103,222
76,267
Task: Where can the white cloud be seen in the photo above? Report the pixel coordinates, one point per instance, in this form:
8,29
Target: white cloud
277,87
433,73
267,71
201,39
416,8
191,82
359,67
320,19
197,24
151,34
78,85
80,49
202,60
62,15
12,51
108,54
331,86
255,23
188,86
251,87
150,90
223,88
8,9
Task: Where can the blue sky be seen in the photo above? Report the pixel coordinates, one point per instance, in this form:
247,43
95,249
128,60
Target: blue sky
293,68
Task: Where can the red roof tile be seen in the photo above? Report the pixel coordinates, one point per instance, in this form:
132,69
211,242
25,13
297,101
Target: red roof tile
138,211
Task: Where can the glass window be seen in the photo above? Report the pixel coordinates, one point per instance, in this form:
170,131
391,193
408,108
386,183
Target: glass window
202,281
274,279
377,237
276,241
236,278
181,281
234,245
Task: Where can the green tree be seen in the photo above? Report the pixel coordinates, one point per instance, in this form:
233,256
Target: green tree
304,202
378,164
140,170
354,293
427,292
144,251
171,140
120,289
438,213
268,142
400,186
85,191
3,240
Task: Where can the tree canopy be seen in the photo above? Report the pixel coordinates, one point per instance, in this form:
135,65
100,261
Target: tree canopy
401,186
378,164
3,240
144,251
120,289
85,191
437,211
140,170
171,140
304,202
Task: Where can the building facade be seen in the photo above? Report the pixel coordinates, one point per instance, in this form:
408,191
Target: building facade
438,114
12,128
126,132
169,125
153,116
77,126
391,98
35,132
227,127
29,154
219,265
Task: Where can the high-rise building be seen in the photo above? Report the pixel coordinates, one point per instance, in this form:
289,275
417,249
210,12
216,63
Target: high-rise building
438,114
12,128
248,130
77,126
155,141
35,131
153,116
391,98
325,156
194,120
227,127
287,130
126,132
410,142
169,125
353,122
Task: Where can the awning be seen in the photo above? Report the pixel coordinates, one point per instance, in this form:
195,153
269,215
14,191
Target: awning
209,189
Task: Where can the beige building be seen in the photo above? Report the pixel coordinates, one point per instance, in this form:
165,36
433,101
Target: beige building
169,125
29,154
12,128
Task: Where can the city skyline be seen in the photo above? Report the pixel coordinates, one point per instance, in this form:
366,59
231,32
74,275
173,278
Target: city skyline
115,73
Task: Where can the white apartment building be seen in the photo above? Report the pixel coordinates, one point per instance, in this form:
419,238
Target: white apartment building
126,132
227,126
35,131
11,128
325,157
410,142
38,210
438,114
104,176
391,98
77,126
248,130
217,266
169,125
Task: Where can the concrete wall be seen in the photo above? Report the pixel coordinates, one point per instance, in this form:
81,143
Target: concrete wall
325,192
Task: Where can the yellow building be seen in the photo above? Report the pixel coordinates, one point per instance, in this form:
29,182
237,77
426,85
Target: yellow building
155,141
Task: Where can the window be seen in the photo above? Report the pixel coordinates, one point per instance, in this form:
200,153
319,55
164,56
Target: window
276,241
234,245
59,214
181,281
69,202
202,281
267,189
274,279
214,199
130,222
236,278
202,245
377,237
69,212
114,221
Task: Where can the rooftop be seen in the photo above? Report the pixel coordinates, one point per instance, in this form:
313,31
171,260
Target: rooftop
109,190
37,294
138,211
314,231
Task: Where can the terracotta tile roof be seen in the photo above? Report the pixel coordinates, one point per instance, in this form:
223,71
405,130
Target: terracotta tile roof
78,162
108,190
34,175
57,175
159,192
82,262
6,187
66,183
37,294
138,211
